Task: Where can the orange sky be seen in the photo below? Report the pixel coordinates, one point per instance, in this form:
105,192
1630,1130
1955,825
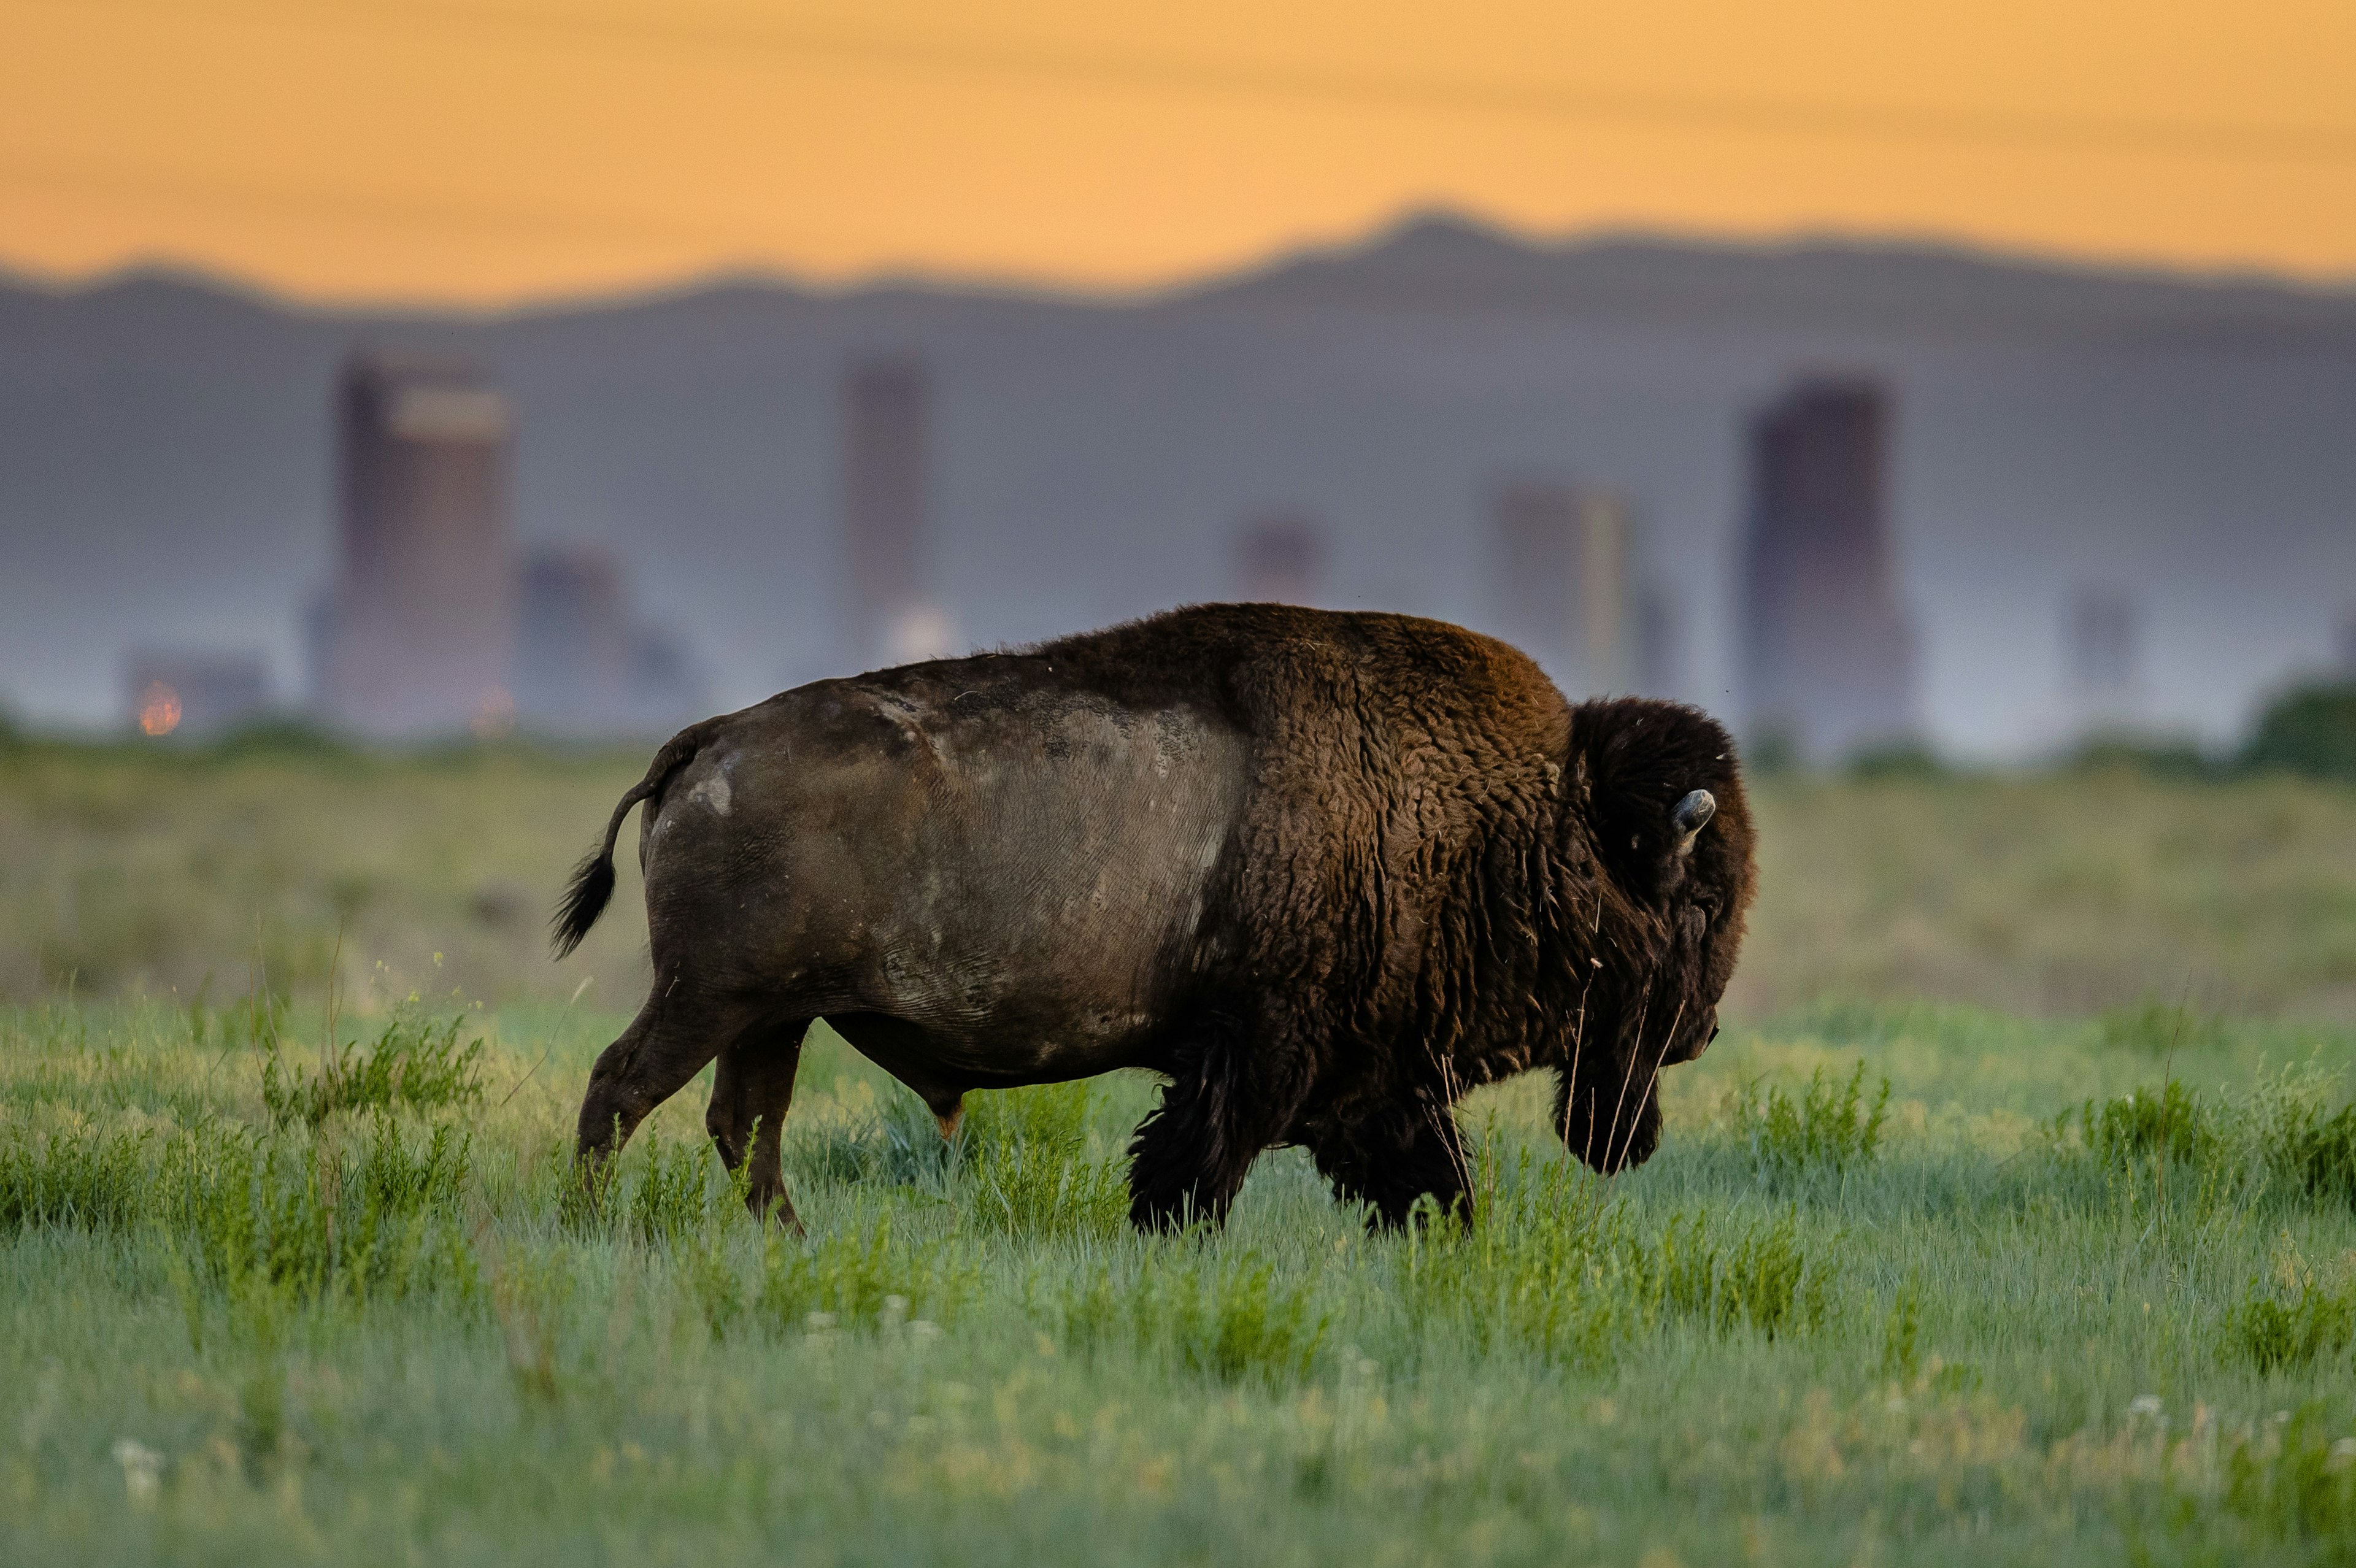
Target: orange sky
488,150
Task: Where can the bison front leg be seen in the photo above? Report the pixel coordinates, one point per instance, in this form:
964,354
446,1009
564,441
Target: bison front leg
1393,1160
1227,1101
751,1094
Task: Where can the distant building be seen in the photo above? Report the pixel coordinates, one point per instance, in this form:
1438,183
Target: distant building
2104,647
1281,559
1566,563
582,666
1660,643
415,637
886,523
1828,658
195,694
2347,648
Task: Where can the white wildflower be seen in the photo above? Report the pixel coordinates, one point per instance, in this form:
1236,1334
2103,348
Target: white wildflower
143,1470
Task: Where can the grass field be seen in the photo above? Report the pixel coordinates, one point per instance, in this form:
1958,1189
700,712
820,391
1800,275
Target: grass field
2082,1289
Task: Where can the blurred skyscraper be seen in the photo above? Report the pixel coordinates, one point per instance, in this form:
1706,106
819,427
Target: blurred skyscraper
415,637
897,617
174,692
2105,651
1281,559
1566,584
582,666
1660,642
1828,658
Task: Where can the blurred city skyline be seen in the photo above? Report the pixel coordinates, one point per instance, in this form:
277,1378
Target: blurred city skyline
1054,464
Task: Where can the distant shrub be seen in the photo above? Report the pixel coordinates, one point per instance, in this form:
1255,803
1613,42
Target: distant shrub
2291,1478
281,738
1221,1318
415,1064
1026,1153
2170,1122
2274,1328
1770,753
2310,731
1829,1125
2158,1028
1899,759
2156,757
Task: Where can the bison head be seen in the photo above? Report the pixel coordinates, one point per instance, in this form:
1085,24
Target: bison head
1657,798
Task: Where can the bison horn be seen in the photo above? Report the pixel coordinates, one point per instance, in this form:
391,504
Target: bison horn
1691,815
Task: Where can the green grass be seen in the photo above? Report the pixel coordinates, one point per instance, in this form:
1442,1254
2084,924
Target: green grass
2033,1304
2023,1228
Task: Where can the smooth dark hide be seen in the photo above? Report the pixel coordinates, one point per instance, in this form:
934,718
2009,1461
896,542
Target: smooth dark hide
1324,871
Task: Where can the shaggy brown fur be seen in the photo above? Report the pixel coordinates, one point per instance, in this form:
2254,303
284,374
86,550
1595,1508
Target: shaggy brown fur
1324,871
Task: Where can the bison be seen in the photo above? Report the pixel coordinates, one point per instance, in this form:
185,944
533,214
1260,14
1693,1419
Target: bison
1323,872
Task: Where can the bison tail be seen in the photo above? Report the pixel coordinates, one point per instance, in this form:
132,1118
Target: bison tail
592,880
584,900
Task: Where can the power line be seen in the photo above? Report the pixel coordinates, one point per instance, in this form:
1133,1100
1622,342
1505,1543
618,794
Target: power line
370,209
2312,144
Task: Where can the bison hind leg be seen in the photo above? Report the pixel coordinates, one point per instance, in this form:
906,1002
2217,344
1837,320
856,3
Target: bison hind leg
1393,1160
751,1094
675,1033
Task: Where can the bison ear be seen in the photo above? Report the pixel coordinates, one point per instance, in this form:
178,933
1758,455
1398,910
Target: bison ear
1690,816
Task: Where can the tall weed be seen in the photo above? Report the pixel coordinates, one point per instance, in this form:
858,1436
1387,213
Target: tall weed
1026,1154
300,1221
1828,1125
851,1279
2317,1153
415,1064
2171,1123
1223,1318
1551,1273
78,1181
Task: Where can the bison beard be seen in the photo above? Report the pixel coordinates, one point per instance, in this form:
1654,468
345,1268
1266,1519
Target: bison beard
1324,872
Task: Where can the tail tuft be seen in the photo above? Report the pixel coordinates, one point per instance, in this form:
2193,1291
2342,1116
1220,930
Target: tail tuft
584,900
